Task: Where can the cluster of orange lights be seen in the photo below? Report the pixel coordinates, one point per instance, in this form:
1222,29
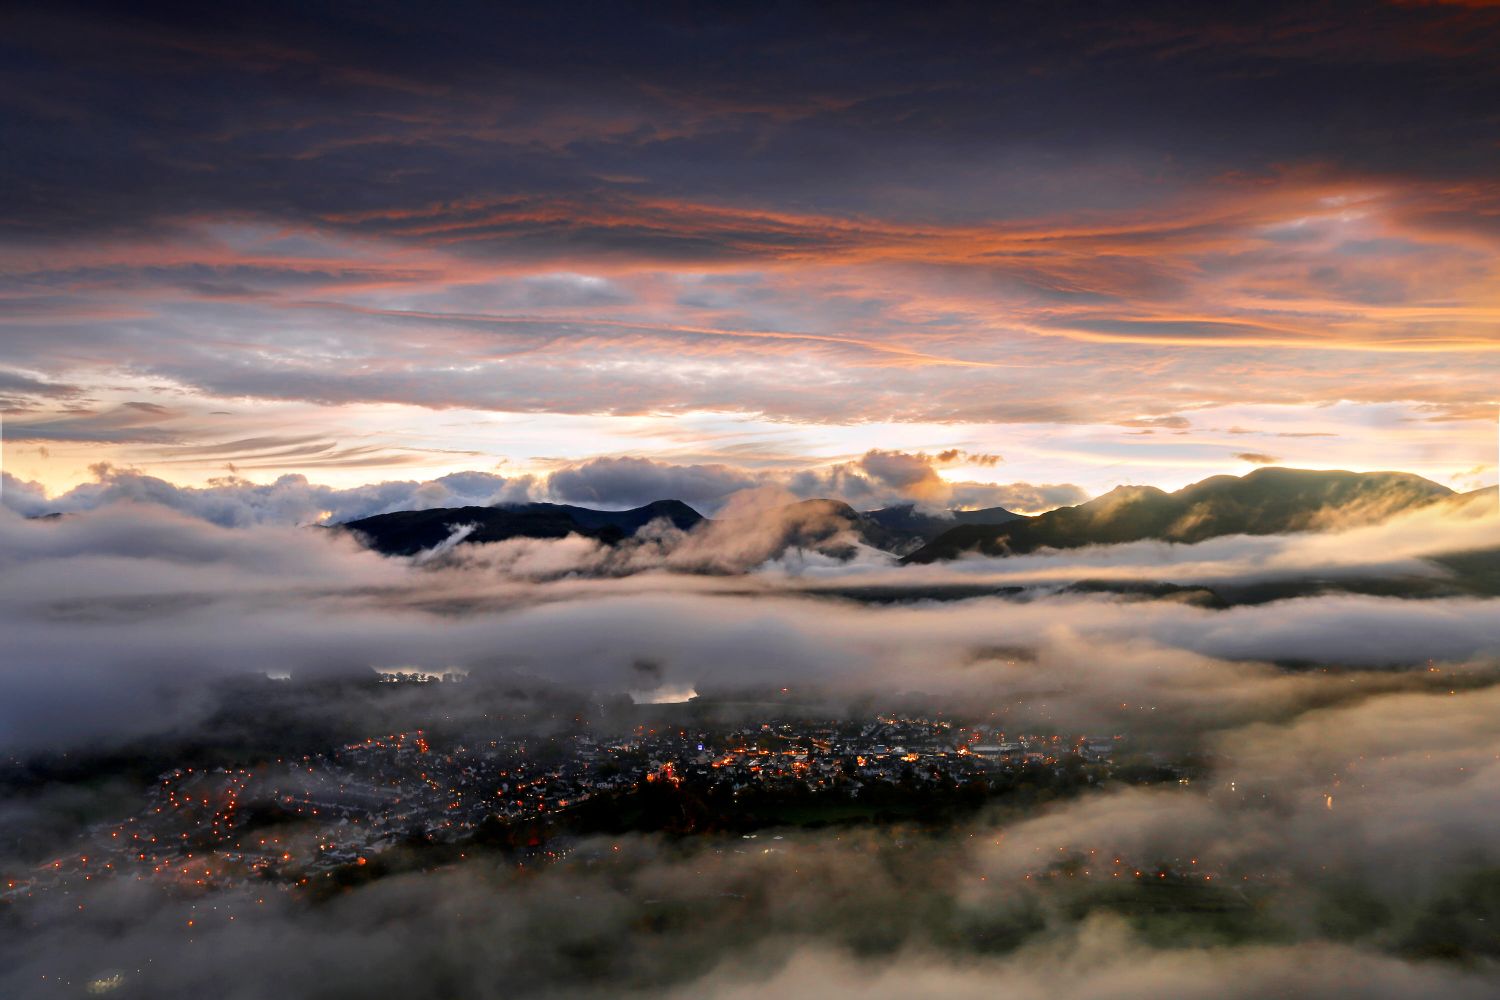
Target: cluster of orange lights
667,774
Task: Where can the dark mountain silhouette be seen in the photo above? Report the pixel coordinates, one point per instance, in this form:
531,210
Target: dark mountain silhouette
408,532
831,527
908,520
1267,501
628,521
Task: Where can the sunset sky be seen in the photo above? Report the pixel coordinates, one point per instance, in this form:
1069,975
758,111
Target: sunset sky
628,254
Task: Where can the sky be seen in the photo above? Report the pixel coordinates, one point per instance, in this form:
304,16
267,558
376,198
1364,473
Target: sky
273,264
958,254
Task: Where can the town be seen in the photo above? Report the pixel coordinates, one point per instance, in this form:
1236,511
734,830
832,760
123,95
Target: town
287,822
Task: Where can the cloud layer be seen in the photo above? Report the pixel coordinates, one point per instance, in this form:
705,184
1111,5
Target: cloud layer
110,610
1347,812
879,478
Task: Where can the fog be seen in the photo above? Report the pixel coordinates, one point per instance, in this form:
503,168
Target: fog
1348,810
114,617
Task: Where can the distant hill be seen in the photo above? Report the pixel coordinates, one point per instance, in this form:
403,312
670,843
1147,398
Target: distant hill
408,532
830,527
1484,493
918,525
1267,501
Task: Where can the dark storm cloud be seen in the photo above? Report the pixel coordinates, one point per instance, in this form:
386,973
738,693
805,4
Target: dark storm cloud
142,116
632,482
358,205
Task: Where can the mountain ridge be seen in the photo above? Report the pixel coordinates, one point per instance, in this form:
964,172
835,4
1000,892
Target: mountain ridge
1266,501
820,524
407,532
909,519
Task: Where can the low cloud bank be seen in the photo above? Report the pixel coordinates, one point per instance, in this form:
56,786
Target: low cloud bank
877,479
290,500
1345,820
109,612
